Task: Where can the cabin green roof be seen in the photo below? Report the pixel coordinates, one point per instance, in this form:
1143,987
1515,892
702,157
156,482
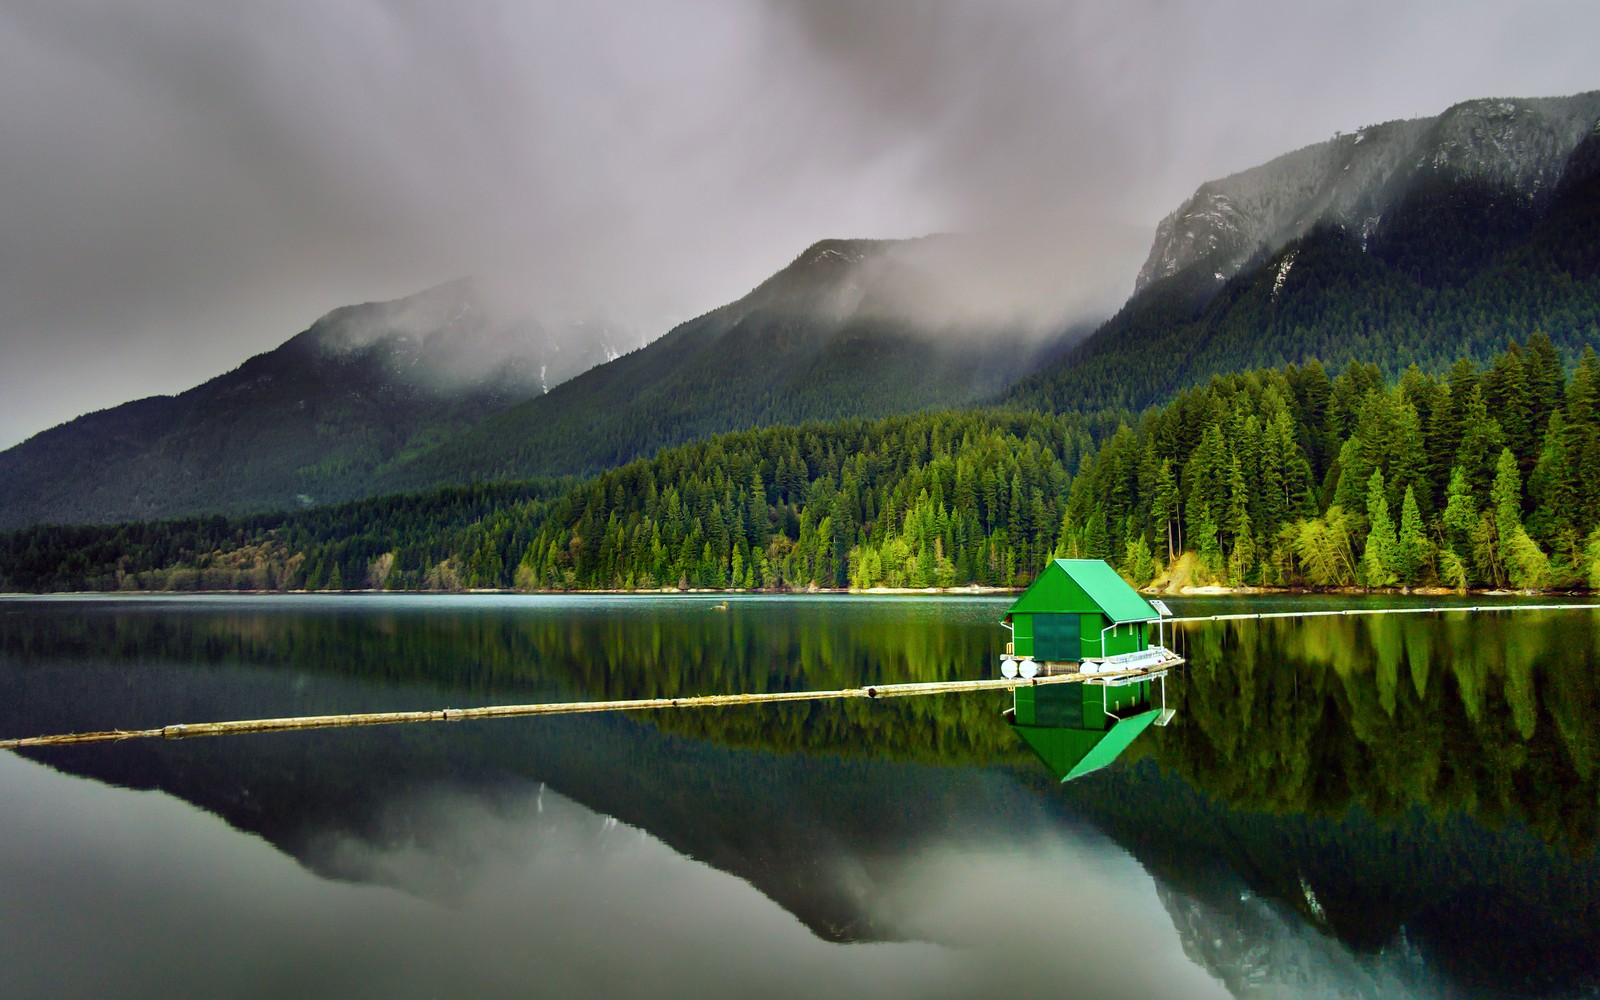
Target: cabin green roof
1094,578
1073,753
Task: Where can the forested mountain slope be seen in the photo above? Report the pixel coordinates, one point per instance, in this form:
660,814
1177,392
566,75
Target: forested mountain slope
1459,264
309,422
1413,242
768,495
1276,477
434,390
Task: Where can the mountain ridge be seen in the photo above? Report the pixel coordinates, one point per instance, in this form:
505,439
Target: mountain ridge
1354,179
825,337
305,422
1457,265
849,328
1414,241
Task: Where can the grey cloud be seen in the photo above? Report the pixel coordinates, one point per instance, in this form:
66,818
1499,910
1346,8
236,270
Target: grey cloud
183,184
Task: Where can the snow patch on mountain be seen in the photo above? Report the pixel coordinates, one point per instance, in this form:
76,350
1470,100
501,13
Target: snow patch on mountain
1283,272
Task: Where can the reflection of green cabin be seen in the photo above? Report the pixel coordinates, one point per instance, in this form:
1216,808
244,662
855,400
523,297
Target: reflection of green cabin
1079,608
1078,728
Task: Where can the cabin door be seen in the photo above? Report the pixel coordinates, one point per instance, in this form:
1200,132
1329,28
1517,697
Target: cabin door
1055,638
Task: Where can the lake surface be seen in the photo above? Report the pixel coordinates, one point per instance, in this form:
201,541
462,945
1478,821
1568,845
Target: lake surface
1373,806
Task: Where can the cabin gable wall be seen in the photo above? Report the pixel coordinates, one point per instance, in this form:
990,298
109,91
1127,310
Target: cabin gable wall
1057,595
1055,592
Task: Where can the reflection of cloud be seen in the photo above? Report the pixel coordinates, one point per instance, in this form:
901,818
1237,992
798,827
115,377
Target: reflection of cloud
139,891
524,892
1020,913
1046,912
111,892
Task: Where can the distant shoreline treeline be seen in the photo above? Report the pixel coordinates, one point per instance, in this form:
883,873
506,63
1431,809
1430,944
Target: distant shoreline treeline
1278,478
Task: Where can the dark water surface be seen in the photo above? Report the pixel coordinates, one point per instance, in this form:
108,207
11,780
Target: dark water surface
1377,806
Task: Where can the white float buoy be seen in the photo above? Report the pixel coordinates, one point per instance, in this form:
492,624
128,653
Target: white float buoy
1028,668
1008,667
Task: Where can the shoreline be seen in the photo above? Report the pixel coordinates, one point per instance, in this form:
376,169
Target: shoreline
974,590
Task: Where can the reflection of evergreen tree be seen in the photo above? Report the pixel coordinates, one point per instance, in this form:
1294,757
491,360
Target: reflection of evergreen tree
1463,713
1494,715
1403,768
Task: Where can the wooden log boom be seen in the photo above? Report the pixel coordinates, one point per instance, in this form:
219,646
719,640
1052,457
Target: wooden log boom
873,692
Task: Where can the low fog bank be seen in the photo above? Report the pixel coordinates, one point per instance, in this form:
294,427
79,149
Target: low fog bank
1034,282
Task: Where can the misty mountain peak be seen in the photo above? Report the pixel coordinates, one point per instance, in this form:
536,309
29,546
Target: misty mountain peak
1038,281
453,338
822,263
834,251
364,386
1354,179
1523,144
414,318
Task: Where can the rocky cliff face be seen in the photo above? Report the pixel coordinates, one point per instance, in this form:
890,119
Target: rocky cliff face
1352,180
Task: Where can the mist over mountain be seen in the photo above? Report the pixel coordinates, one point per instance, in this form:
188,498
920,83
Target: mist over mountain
311,421
1411,242
186,187
390,395
455,339
851,328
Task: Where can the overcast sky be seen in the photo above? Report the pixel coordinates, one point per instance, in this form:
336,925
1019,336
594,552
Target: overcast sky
184,184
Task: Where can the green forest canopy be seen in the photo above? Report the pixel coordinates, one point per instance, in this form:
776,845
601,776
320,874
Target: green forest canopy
1279,477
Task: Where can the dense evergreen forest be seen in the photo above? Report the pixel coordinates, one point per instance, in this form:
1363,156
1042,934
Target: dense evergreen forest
1280,477
397,542
752,509
1456,268
1481,478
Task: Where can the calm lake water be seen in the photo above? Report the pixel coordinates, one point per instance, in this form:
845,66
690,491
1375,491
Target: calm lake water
1378,806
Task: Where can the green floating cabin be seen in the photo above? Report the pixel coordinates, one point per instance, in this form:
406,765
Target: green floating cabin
1079,728
1076,609
1080,617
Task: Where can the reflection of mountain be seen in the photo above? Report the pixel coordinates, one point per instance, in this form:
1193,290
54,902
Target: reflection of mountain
1494,911
1282,771
1256,947
817,835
